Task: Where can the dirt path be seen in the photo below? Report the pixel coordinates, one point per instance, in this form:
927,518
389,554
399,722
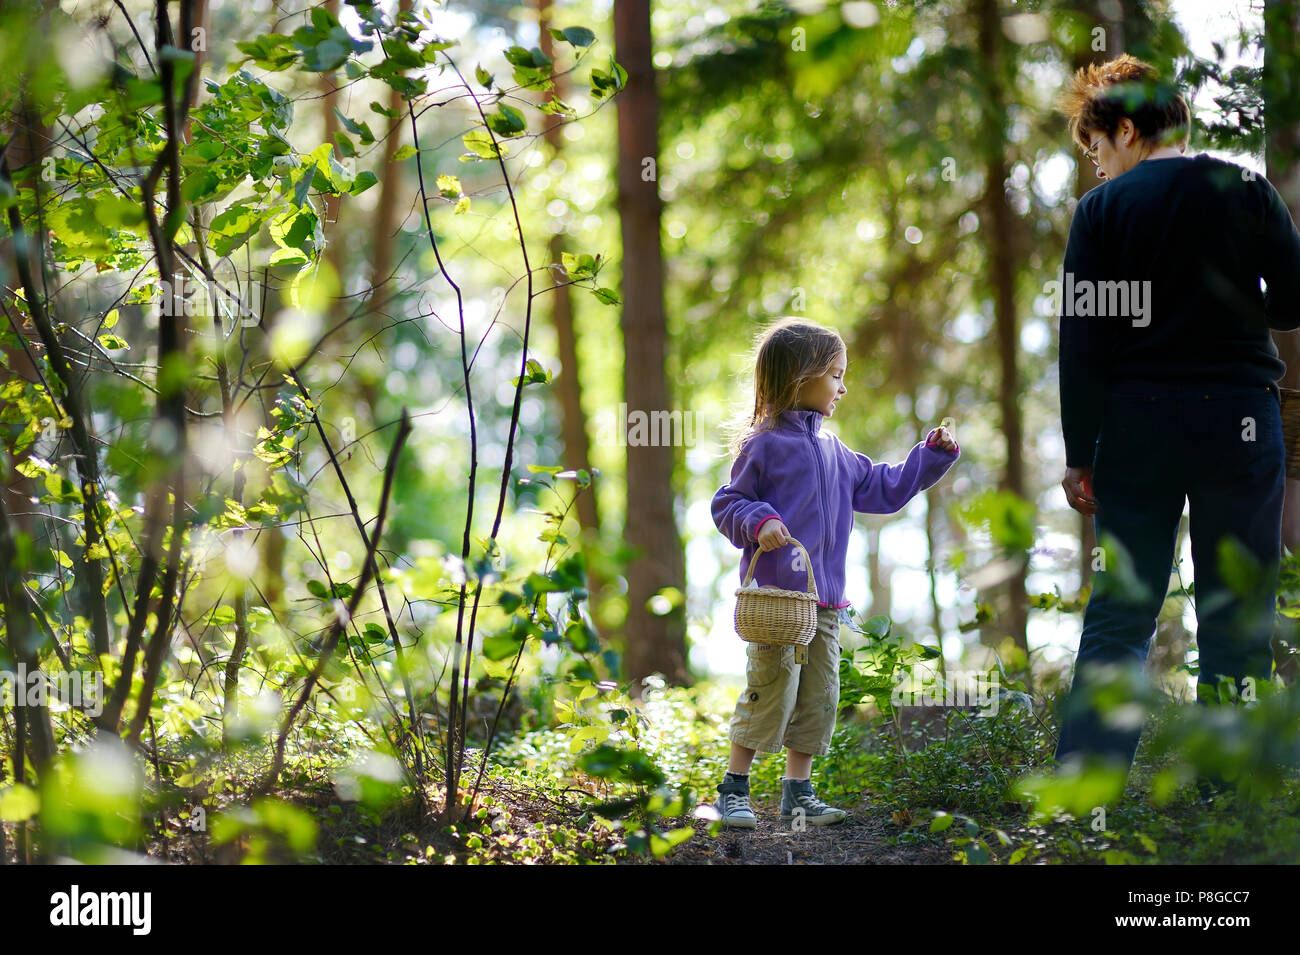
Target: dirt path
863,838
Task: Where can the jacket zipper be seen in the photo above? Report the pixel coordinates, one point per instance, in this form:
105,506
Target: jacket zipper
821,496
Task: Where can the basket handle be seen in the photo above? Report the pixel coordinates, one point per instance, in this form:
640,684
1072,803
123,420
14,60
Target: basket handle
812,584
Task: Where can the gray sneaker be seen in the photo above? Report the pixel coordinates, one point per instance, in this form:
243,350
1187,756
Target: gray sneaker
799,803
733,805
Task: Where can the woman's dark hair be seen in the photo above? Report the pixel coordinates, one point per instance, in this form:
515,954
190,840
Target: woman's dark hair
1099,95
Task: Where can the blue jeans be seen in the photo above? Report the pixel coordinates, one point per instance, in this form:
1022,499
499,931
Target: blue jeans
1219,446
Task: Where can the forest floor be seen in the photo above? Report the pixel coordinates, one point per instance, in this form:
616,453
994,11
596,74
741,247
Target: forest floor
931,788
863,838
533,827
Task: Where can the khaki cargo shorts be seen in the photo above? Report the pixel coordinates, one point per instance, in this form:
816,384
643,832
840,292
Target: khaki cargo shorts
787,704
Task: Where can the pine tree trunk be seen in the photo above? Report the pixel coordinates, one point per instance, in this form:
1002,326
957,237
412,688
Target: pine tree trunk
656,642
1002,244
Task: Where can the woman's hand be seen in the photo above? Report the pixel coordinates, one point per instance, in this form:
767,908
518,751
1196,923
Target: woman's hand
772,535
1078,490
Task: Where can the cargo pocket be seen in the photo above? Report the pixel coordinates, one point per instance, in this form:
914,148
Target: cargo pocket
763,669
759,718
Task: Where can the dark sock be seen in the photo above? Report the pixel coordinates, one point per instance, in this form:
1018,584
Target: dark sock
738,777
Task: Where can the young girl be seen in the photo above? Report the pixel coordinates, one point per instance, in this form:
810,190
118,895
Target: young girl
791,479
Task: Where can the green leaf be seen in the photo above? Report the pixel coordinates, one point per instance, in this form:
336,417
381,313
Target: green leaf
288,257
61,489
221,617
233,227
542,585
607,296
580,267
269,51
356,128
536,375
112,342
34,467
602,761
325,56
405,152
507,121
660,846
532,58
502,646
200,183
19,803
606,84
142,94
344,144
118,212
877,626
581,637
483,76
578,36
431,50
78,224
365,179
481,144
941,822
294,229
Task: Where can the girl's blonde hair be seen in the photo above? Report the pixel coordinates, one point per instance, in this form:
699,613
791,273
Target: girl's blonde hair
787,353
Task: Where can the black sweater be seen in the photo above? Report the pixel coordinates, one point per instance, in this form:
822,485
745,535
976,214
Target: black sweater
1202,233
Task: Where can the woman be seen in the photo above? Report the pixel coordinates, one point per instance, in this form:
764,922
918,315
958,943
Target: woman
1168,388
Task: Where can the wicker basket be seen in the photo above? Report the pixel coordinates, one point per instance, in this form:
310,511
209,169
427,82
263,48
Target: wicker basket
1291,430
770,615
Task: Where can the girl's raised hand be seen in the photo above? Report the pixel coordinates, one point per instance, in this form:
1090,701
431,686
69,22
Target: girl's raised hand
773,534
941,437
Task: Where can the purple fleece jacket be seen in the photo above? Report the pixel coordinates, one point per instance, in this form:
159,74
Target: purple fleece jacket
809,480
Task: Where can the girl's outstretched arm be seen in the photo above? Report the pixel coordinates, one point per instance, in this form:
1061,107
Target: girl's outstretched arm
886,488
737,511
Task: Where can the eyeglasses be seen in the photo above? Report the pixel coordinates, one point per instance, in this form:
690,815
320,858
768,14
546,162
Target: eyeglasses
1091,151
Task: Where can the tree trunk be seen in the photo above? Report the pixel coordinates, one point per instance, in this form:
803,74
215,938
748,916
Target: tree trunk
656,642
384,240
1282,167
1002,284
23,644
881,572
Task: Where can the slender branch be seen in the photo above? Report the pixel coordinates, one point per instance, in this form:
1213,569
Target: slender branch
341,620
454,734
